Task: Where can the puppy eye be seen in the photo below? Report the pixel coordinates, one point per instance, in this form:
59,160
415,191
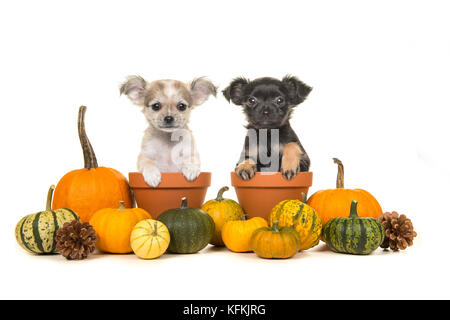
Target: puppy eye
280,100
181,106
156,106
251,101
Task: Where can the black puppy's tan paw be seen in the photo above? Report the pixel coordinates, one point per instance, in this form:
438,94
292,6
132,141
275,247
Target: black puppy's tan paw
246,169
290,174
290,163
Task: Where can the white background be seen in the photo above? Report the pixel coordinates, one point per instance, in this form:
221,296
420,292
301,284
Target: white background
380,72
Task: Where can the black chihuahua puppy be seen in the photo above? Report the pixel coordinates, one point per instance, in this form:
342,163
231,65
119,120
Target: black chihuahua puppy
270,145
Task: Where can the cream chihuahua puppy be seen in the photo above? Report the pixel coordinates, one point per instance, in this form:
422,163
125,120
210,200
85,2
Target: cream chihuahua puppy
168,144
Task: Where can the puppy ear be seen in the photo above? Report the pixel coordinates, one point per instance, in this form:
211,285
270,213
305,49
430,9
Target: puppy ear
234,91
134,88
201,89
297,90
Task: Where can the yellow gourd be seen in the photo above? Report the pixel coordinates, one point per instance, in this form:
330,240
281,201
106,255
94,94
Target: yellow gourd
222,210
301,217
149,239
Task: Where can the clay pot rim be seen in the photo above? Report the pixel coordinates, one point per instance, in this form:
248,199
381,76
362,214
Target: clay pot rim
170,180
272,180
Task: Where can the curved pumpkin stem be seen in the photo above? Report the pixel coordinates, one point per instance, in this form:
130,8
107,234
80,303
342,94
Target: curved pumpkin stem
90,161
48,205
155,230
275,227
121,205
340,175
303,197
353,211
220,193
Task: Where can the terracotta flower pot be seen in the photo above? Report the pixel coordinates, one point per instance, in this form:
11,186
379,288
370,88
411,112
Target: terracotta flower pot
260,194
168,194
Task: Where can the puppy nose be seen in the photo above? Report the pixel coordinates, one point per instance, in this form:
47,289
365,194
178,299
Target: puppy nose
168,119
265,111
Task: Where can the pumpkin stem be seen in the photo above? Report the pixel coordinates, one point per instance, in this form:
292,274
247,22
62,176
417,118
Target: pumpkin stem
353,211
90,161
183,203
303,197
244,217
155,230
275,227
48,205
220,193
122,205
340,175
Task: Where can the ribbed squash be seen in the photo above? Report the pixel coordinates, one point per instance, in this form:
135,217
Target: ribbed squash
275,242
149,239
222,210
301,217
113,227
353,235
190,229
36,232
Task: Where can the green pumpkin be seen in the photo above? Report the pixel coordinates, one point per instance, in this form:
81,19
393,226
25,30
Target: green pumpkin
353,235
190,229
36,232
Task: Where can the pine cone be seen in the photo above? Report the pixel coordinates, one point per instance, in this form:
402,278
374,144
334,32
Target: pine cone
75,240
399,231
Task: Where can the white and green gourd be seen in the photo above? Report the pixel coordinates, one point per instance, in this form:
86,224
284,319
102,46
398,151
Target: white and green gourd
36,232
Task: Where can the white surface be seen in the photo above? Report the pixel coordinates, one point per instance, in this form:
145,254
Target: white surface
380,72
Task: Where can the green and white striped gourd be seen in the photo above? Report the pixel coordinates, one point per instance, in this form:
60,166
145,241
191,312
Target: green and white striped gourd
36,232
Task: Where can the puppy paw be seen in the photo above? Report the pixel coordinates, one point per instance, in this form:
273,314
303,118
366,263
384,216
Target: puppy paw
290,169
152,176
190,172
246,170
290,163
290,174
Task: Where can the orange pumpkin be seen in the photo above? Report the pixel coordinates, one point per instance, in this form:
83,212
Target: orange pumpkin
334,203
236,234
275,243
113,227
93,188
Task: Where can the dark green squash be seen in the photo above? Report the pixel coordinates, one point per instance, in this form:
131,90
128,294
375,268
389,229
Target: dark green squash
353,235
190,229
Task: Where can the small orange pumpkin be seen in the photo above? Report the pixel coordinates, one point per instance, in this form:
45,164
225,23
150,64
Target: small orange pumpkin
275,243
236,234
93,188
113,227
334,203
